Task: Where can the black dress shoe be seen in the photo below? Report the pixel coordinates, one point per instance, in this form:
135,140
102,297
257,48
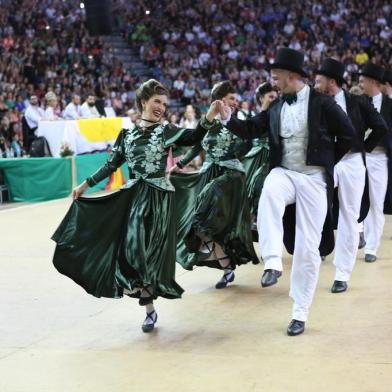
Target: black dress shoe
370,258
362,242
296,327
339,286
270,277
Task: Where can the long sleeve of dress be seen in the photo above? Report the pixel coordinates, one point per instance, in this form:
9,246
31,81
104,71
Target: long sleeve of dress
191,154
175,136
115,160
187,137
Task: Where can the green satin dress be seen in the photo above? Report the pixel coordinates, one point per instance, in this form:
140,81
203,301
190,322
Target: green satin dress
214,202
256,168
127,240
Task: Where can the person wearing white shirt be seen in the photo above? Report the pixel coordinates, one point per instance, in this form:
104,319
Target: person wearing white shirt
88,109
244,111
295,206
73,110
33,113
350,171
370,81
51,104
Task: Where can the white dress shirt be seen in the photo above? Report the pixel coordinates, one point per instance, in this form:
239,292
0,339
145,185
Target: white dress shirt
340,99
89,111
377,101
295,133
33,114
72,112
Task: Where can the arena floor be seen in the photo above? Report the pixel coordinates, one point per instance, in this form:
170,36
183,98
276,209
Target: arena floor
54,337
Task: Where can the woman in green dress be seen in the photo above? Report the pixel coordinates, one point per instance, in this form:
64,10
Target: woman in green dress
256,160
213,211
125,243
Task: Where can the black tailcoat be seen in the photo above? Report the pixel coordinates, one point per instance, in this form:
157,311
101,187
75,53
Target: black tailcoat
329,127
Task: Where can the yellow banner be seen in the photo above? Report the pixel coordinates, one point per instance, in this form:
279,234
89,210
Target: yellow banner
100,129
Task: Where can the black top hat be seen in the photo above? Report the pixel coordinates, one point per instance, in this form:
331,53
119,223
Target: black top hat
333,69
388,76
373,71
289,59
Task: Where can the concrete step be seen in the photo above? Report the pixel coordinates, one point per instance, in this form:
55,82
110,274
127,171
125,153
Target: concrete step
129,56
124,50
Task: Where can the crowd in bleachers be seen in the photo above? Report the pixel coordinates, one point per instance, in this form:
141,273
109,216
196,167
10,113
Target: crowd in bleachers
46,51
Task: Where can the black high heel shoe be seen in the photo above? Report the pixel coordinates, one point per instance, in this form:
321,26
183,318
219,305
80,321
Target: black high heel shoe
149,327
227,277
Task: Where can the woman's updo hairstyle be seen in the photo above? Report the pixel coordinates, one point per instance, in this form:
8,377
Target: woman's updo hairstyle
263,89
221,89
147,90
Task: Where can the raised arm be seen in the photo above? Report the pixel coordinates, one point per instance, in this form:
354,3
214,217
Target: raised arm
248,129
185,137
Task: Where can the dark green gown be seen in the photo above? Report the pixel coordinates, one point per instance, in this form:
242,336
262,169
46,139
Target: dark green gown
256,168
214,202
127,240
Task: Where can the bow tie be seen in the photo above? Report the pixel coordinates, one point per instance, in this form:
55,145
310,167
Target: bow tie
290,98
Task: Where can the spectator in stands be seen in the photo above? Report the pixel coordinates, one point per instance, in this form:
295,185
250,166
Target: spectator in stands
5,128
73,110
34,113
362,57
172,118
51,111
16,146
134,115
50,49
189,119
244,111
89,110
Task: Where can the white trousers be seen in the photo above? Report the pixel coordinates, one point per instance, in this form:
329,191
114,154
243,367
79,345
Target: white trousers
377,165
281,188
350,175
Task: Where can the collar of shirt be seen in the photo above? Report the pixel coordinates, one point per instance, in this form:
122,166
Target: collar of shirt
340,99
377,99
294,117
303,93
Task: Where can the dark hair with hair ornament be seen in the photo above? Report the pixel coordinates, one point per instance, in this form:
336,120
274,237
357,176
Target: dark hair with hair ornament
221,89
263,89
147,90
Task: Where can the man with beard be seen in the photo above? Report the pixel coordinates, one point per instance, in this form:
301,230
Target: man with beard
296,199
